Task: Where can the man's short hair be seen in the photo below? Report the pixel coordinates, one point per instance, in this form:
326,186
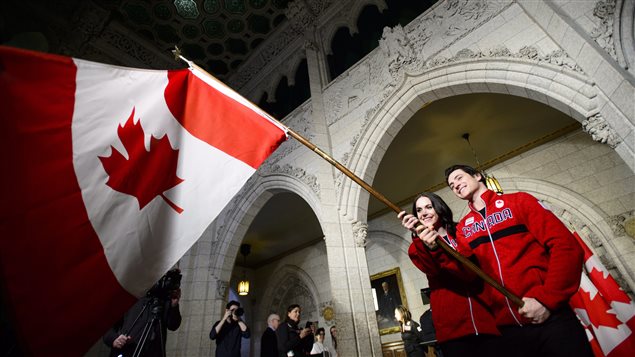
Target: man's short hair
272,317
466,168
231,303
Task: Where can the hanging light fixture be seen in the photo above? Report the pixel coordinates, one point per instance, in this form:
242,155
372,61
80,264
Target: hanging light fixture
490,181
243,285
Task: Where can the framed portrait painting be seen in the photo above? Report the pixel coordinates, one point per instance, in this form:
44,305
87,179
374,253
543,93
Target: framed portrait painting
389,293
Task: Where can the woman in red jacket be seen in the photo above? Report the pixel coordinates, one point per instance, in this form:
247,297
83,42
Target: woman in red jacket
463,323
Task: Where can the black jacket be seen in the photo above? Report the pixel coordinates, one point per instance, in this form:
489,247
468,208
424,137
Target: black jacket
269,343
228,340
144,309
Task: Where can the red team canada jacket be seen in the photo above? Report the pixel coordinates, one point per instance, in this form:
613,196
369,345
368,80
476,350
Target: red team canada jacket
457,309
526,247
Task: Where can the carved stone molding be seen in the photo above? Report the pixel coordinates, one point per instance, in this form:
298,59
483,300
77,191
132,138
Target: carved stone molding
298,120
603,33
310,180
360,232
557,57
601,131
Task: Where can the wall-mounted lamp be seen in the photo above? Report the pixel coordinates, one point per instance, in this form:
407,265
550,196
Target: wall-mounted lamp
243,285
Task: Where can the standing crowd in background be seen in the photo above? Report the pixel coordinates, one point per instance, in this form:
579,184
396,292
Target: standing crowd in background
281,338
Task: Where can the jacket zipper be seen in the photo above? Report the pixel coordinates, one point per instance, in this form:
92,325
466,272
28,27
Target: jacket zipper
500,270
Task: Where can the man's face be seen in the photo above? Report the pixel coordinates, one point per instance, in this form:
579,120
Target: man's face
275,322
463,184
233,311
385,287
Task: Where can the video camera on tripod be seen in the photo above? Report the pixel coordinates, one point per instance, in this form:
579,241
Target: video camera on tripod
168,283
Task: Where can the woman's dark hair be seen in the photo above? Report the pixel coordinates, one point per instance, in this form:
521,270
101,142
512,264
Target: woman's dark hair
333,337
291,307
321,329
441,208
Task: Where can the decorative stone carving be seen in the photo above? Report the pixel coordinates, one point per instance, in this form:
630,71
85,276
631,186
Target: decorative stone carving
327,311
221,289
298,120
558,57
623,224
310,180
360,232
603,32
117,38
301,17
367,85
601,131
396,46
87,22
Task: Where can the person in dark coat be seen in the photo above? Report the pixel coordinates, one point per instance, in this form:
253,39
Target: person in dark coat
410,332
124,337
269,342
229,330
290,336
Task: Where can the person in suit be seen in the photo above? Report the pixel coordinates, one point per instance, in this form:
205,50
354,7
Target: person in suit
269,342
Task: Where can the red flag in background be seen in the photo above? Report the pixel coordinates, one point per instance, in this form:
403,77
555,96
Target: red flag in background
110,175
606,311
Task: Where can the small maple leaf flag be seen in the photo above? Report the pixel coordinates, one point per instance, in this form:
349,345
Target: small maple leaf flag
605,310
110,175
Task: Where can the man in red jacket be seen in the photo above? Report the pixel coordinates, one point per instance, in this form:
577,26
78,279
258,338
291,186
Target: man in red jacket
524,246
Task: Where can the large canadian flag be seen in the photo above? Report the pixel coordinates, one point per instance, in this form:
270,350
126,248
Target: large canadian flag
110,175
605,310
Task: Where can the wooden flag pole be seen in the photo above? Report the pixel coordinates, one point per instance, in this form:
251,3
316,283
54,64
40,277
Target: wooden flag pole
463,260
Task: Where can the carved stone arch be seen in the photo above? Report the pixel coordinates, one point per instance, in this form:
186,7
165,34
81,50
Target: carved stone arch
293,69
580,213
624,27
376,236
348,19
330,31
290,282
238,217
257,94
567,91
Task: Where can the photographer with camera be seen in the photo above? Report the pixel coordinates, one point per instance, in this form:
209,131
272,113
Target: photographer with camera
228,331
143,329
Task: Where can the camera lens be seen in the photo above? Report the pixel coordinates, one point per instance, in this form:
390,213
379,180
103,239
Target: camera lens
239,312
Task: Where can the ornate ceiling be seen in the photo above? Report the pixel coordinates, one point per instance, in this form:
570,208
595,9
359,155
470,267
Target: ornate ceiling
218,33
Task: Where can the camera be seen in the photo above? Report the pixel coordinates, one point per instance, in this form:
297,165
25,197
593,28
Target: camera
239,312
169,282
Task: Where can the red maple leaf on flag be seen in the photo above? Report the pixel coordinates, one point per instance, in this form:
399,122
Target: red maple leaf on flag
145,174
598,310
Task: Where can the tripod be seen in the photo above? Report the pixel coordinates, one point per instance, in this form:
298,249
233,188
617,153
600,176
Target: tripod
151,328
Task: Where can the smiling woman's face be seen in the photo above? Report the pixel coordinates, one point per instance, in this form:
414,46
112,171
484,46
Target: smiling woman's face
426,213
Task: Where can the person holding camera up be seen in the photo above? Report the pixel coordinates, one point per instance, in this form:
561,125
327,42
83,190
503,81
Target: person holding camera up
290,336
143,329
228,331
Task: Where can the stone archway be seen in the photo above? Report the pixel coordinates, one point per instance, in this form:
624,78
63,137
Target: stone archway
557,86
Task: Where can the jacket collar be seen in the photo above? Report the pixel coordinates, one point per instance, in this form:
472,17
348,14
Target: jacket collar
487,197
